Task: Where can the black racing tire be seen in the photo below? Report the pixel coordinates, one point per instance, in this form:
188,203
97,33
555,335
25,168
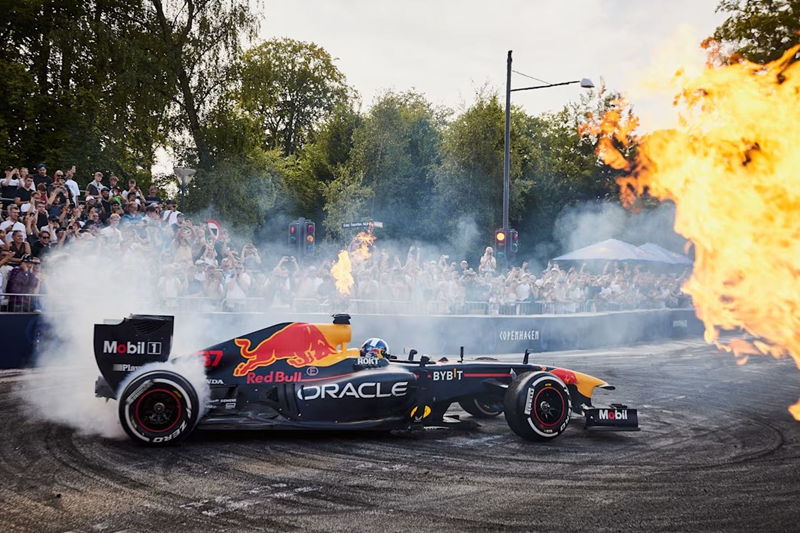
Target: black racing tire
487,406
537,406
158,408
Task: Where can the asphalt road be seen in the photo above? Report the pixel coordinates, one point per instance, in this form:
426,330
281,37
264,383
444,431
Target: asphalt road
718,451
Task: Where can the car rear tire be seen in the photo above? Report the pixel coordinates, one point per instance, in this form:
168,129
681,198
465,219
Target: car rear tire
158,408
483,406
537,406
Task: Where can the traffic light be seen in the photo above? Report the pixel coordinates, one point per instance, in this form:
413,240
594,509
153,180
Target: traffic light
500,241
294,234
309,237
513,241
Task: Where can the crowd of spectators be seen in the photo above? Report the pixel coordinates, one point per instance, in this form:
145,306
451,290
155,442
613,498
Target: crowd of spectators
44,217
458,288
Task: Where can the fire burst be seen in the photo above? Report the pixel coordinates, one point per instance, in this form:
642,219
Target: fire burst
342,273
342,270
361,245
732,167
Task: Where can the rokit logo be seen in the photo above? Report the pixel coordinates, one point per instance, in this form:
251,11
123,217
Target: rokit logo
132,348
611,414
362,390
447,375
368,361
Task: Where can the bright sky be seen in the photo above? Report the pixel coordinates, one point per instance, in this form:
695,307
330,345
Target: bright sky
447,49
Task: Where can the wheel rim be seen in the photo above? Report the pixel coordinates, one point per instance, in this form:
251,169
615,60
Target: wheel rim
488,407
548,406
158,410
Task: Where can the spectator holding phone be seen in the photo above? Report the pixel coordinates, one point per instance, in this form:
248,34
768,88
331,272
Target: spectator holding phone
8,188
488,262
22,282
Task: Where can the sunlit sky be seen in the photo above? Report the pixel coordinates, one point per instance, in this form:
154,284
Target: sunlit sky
448,49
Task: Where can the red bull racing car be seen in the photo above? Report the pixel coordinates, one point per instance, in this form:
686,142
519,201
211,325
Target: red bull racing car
303,376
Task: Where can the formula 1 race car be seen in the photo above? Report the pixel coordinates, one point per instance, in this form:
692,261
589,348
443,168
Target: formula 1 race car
303,376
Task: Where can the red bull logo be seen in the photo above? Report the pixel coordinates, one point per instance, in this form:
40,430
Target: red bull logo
298,343
567,376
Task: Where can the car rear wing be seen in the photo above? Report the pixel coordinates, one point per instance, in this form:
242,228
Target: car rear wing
122,347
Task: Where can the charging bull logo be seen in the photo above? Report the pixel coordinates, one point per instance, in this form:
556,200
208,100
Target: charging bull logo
299,344
567,376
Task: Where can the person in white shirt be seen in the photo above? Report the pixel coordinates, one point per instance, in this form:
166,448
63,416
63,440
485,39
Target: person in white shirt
523,290
72,184
112,232
13,224
237,285
170,216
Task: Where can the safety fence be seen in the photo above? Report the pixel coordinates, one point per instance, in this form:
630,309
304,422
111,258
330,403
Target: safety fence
26,303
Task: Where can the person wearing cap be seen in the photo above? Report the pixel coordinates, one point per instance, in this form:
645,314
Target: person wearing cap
132,215
42,177
22,282
116,196
170,216
53,223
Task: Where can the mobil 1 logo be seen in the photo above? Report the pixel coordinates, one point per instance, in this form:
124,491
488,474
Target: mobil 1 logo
132,348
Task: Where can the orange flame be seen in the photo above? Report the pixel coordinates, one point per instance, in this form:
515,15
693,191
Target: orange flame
341,271
731,167
361,244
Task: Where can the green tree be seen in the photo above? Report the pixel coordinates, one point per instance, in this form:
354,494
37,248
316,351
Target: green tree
394,154
289,86
197,43
469,181
71,77
323,158
246,190
759,30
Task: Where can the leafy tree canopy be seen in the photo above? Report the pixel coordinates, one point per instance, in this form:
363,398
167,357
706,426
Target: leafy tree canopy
759,30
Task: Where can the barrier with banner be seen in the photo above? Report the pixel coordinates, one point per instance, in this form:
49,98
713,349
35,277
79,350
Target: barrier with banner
435,335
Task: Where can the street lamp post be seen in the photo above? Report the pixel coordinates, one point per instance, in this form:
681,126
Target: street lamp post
185,176
586,83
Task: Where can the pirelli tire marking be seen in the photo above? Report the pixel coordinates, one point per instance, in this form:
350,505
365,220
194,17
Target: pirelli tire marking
549,430
537,406
130,417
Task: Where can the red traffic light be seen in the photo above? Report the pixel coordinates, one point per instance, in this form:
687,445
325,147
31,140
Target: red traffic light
310,229
292,229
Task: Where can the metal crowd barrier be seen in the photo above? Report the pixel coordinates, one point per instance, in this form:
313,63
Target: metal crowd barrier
27,303
21,303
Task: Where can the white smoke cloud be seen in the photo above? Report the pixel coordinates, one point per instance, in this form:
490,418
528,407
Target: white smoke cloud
85,288
585,224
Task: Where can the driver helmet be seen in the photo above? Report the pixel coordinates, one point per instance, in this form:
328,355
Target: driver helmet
375,347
